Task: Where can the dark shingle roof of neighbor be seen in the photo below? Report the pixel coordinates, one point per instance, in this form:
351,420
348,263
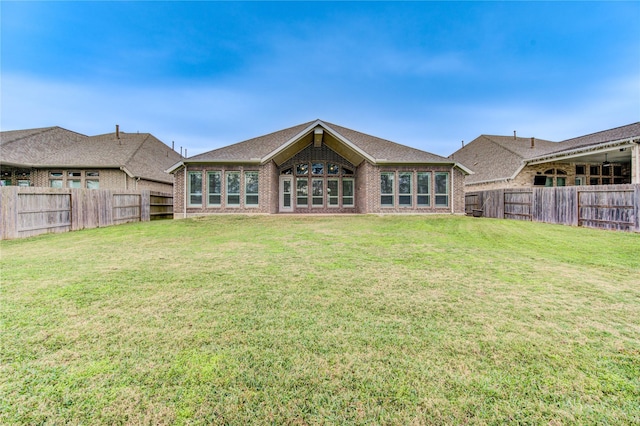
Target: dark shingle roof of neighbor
139,154
260,147
498,157
611,135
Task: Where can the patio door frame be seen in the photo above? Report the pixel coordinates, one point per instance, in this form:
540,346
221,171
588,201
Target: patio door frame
281,195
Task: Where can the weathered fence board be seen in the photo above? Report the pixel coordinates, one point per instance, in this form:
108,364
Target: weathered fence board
605,206
32,211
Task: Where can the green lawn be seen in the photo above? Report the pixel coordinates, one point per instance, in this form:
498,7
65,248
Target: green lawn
322,320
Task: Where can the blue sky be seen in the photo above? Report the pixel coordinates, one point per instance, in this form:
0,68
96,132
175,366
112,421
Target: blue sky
424,74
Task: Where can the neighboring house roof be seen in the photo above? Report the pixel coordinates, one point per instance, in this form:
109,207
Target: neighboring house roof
137,154
283,144
495,158
498,157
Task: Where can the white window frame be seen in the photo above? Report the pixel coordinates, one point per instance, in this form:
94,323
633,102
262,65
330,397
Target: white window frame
248,194
317,197
190,190
404,196
210,174
228,191
441,194
423,194
353,193
302,195
333,197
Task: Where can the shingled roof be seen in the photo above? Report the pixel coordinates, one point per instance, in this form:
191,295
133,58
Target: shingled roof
268,147
138,154
494,158
499,157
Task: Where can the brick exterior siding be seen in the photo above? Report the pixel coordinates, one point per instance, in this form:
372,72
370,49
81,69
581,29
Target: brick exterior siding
366,190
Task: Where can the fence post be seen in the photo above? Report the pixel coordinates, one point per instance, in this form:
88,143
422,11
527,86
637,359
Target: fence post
145,205
636,205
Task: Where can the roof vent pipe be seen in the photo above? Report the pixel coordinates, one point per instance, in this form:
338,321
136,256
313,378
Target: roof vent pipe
514,135
117,131
533,142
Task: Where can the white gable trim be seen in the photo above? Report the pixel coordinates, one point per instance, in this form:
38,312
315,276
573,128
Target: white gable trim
310,128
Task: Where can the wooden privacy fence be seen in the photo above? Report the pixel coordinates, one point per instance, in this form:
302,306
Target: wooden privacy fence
604,206
30,211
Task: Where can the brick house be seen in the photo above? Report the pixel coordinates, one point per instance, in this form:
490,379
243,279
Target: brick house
59,158
317,167
602,158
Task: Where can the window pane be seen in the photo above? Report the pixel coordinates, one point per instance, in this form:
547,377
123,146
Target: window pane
302,192
55,183
333,169
93,174
317,168
347,192
93,184
386,189
215,188
317,196
251,188
24,182
442,189
195,188
424,189
404,189
332,192
561,181
233,188
74,184
302,169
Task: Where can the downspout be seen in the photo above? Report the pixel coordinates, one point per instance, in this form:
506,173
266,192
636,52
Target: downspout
184,202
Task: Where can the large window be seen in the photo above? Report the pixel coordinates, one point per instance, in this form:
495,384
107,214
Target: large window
332,192
317,196
195,189
442,189
424,189
405,185
386,189
214,182
251,189
302,191
233,188
347,192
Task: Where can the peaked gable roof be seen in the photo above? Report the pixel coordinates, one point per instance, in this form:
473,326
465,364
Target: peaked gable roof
138,154
498,157
283,144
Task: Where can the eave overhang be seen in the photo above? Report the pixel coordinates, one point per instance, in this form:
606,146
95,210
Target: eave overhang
581,151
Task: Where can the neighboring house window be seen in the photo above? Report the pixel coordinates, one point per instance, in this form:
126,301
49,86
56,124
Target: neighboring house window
233,188
333,169
386,189
24,182
74,183
580,169
424,189
6,178
550,176
55,179
214,180
251,188
92,179
195,189
302,191
332,192
442,189
347,192
405,185
579,181
317,196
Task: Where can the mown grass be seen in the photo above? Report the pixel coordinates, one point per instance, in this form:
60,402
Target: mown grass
322,320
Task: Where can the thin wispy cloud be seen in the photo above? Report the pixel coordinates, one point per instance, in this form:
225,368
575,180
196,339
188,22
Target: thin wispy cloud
428,75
